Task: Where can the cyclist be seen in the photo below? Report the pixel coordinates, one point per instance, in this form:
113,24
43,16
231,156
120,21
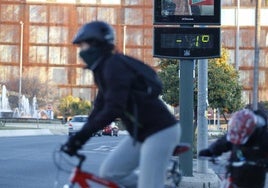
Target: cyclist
151,142
246,138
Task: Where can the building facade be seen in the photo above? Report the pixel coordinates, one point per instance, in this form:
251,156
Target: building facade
238,21
36,35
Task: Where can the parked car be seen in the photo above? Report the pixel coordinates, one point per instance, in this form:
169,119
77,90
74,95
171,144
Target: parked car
76,123
111,130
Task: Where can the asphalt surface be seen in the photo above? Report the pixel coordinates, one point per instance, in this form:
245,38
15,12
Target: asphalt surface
198,180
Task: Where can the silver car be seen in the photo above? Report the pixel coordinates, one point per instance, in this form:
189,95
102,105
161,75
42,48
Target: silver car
76,123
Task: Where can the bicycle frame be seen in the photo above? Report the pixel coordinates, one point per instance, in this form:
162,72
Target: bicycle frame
81,177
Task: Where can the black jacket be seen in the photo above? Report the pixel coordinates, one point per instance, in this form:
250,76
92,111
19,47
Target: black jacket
256,149
115,99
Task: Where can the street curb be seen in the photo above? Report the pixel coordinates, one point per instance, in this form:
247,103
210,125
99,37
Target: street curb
201,180
30,132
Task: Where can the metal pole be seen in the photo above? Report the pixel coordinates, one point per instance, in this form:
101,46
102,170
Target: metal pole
186,112
21,59
124,39
256,55
237,36
202,124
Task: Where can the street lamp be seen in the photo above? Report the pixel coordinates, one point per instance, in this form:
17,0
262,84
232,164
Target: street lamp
21,58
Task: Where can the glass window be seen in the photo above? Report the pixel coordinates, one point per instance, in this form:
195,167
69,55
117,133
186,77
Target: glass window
38,34
242,2
79,119
247,38
248,2
64,1
58,75
264,36
246,96
134,36
107,14
246,57
88,1
262,77
38,13
10,13
84,93
58,35
148,40
135,52
38,54
134,2
266,60
9,33
228,37
246,78
86,13
58,55
37,1
9,53
228,2
263,59
232,56
84,77
111,2
39,72
131,13
7,71
59,14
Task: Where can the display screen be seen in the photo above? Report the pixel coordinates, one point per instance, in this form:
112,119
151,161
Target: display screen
187,12
187,41
178,42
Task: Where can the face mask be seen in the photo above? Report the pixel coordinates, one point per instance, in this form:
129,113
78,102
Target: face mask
90,56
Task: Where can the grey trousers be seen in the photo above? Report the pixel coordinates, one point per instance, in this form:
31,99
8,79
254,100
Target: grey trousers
150,158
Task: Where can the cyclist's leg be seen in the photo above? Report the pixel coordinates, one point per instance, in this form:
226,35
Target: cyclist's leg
119,166
155,154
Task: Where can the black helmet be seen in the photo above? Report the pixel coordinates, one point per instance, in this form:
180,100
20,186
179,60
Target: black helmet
95,31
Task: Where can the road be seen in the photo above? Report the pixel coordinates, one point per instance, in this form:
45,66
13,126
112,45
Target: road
27,162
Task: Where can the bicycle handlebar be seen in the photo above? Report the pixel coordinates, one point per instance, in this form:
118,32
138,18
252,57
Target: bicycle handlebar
213,159
80,156
216,159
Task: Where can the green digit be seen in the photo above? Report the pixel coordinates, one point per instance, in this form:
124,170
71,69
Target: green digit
205,38
197,41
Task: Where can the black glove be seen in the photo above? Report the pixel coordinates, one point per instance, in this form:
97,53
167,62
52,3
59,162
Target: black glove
71,146
205,153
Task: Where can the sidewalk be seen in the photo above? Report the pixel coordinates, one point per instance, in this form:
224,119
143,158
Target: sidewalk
34,129
201,180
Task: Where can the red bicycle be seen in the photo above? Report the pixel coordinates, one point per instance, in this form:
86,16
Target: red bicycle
83,178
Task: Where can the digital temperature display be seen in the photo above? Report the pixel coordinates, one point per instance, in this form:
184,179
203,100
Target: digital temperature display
186,43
